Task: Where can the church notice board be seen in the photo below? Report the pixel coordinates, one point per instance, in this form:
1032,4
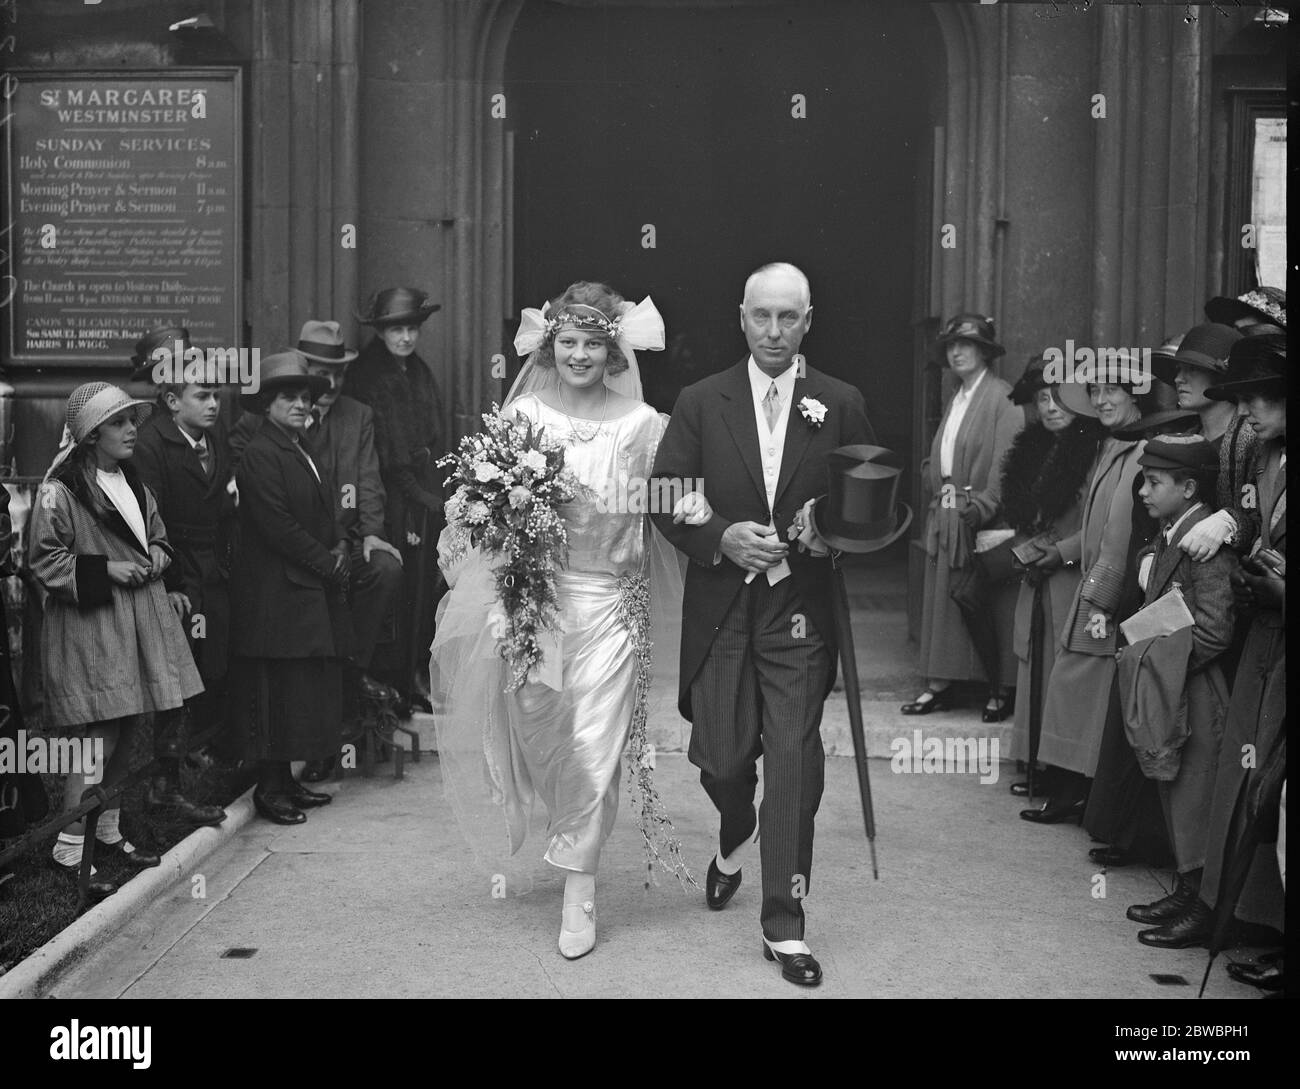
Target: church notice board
123,202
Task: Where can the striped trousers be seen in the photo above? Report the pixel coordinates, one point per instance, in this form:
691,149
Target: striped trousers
760,693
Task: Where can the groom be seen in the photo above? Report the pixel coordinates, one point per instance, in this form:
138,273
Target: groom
758,645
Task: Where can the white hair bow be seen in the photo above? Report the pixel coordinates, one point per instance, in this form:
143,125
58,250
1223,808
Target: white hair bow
640,325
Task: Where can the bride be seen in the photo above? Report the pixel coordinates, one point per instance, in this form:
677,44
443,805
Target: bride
561,735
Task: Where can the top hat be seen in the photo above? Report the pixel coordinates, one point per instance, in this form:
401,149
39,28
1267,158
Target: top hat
1030,382
973,327
1257,365
861,512
283,370
397,306
165,336
1263,306
322,342
1193,452
1205,346
1123,369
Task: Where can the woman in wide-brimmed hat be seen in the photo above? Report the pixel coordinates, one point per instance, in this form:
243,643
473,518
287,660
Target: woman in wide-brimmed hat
1074,709
112,648
289,625
963,477
392,378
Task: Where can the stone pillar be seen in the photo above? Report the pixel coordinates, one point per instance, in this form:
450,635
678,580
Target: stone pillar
305,166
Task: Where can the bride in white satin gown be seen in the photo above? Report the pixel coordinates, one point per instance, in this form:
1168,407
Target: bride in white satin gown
560,737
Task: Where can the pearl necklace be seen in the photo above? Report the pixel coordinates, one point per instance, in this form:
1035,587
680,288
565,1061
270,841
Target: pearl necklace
582,434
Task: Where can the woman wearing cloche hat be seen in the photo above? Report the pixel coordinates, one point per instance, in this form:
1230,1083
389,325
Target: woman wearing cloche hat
112,648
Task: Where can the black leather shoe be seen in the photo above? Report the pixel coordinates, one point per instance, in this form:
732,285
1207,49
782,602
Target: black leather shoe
719,887
937,701
137,859
277,808
317,771
372,689
420,702
1021,790
800,968
1190,928
1267,977
1112,857
998,708
1053,812
99,886
160,795
1167,908
306,799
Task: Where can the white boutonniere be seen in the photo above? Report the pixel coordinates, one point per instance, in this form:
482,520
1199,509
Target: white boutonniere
813,411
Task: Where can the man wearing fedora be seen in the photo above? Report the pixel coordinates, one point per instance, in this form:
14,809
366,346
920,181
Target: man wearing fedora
182,454
341,436
391,377
758,642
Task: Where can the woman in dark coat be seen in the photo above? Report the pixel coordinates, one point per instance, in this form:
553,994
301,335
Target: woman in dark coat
1044,478
289,623
397,384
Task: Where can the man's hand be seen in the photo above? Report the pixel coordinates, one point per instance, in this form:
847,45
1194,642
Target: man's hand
801,531
753,546
1255,585
970,514
370,543
1204,539
180,603
160,561
127,573
693,509
413,539
233,489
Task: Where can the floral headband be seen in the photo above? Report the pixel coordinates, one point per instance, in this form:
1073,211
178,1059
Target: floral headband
639,326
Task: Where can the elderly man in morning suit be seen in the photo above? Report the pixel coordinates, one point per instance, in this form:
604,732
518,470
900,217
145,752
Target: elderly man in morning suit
758,644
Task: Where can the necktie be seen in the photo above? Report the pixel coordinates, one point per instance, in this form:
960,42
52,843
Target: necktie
772,407
205,456
315,419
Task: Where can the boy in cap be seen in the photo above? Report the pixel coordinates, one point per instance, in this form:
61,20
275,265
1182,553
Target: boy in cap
1180,672
183,457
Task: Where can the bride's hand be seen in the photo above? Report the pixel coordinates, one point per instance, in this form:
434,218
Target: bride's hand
693,509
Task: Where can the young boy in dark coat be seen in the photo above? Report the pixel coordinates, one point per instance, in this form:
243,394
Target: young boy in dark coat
183,457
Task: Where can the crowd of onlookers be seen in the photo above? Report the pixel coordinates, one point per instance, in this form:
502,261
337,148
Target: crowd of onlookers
1114,569
261,584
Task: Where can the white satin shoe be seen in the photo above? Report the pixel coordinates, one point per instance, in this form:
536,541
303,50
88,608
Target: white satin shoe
580,942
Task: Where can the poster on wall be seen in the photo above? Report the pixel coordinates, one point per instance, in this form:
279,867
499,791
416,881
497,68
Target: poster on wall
123,203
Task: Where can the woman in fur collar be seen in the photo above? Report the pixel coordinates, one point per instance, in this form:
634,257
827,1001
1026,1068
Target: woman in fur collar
1043,481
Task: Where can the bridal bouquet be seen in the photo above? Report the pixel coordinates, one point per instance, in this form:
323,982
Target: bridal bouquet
510,481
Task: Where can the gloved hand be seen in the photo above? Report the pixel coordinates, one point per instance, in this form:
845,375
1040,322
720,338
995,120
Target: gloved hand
1204,539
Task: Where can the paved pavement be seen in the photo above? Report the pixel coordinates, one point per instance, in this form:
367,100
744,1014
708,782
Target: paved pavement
377,894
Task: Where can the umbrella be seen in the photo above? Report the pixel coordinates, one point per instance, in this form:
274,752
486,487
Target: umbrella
849,663
1256,800
1036,625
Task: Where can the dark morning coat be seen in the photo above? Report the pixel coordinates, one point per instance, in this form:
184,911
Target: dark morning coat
713,437
283,603
198,511
343,448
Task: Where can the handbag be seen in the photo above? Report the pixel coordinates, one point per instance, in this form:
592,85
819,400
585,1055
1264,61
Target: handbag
998,564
